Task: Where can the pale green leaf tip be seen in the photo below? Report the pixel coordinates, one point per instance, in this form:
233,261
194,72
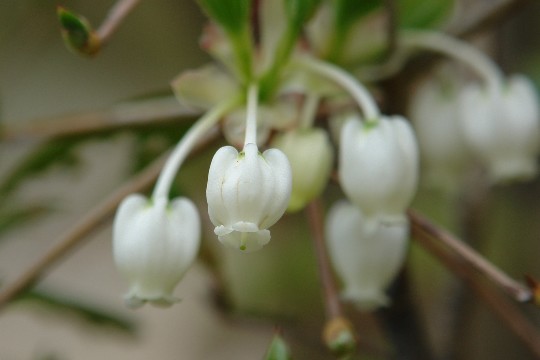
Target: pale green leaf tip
278,349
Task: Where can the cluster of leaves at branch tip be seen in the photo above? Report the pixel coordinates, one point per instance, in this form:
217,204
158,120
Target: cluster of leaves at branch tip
78,34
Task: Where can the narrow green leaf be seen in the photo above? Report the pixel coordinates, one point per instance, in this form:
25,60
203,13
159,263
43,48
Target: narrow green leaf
77,32
13,217
422,14
278,349
89,313
232,15
347,12
39,160
299,12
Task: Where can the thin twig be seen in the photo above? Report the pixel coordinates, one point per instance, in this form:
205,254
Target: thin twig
330,290
114,18
339,334
129,114
88,225
513,288
501,306
392,27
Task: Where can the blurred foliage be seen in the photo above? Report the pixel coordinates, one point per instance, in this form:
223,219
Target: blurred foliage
11,217
91,314
278,349
423,14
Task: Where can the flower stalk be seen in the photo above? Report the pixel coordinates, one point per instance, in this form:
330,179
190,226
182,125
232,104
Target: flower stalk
334,73
458,50
185,145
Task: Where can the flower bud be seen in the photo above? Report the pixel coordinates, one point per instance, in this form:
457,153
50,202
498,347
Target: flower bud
378,166
247,193
366,259
504,131
310,154
154,244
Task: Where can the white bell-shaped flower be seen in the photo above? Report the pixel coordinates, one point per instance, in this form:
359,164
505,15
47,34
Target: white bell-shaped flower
247,192
311,155
434,112
378,166
503,131
366,260
154,244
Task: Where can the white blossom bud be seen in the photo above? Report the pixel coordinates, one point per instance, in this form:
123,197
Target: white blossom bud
311,155
378,166
154,244
247,193
366,259
504,131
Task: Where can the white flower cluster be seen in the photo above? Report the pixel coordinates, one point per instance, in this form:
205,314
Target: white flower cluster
156,240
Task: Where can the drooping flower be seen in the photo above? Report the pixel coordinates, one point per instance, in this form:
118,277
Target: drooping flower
434,112
365,259
378,166
503,131
247,192
154,244
311,155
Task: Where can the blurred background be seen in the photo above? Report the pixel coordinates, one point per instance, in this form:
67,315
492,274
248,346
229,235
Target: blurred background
77,312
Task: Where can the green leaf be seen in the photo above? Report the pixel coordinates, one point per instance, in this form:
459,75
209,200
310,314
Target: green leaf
278,349
232,15
89,313
77,32
39,160
347,12
422,14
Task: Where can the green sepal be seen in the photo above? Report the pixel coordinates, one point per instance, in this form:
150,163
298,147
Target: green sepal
419,14
78,34
278,349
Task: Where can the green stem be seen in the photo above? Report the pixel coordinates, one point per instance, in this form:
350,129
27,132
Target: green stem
251,118
459,50
183,148
347,81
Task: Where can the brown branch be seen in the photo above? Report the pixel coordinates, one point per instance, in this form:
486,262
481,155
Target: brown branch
513,288
114,18
339,334
392,27
501,306
136,113
330,289
87,226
